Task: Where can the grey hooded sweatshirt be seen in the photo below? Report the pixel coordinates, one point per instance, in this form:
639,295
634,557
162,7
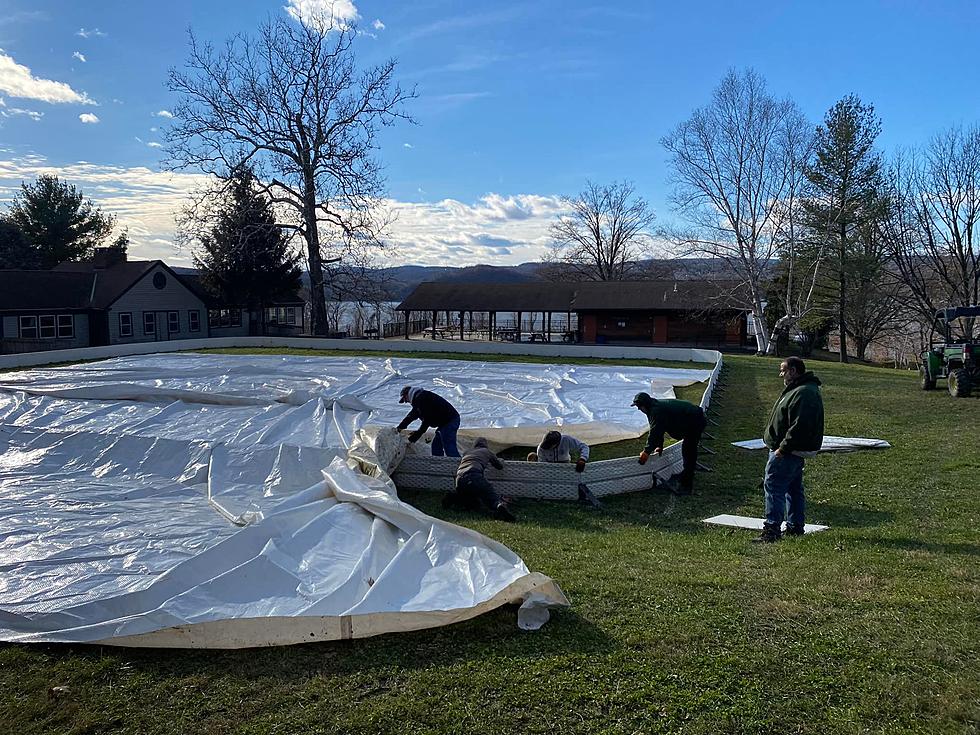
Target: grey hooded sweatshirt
478,459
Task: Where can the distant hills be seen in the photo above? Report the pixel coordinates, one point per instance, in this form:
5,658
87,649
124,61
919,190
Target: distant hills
403,279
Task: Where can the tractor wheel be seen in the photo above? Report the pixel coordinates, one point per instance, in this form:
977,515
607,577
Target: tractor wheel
959,383
925,381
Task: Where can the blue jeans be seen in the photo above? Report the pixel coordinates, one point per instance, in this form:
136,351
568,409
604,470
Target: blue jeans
784,490
444,442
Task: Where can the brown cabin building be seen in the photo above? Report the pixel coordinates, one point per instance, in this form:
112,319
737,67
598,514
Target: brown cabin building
669,312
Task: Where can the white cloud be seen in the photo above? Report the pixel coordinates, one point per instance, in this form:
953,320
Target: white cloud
164,113
497,228
340,12
16,111
18,81
88,118
153,129
378,25
90,33
79,55
407,145
153,144
143,200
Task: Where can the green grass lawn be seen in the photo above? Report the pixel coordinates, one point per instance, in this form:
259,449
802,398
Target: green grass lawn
870,627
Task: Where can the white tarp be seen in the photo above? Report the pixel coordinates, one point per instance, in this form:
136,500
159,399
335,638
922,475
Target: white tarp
830,444
755,524
107,470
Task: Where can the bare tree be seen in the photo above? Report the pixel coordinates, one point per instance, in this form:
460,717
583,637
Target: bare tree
605,236
800,258
730,172
933,226
291,103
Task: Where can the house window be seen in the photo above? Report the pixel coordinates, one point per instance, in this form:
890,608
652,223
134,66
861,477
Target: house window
290,315
270,315
173,321
194,320
149,322
125,324
66,326
47,328
28,327
225,317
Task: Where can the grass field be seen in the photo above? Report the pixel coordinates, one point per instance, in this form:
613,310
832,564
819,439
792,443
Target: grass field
870,627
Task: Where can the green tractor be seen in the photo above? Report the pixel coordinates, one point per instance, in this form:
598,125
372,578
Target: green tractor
956,360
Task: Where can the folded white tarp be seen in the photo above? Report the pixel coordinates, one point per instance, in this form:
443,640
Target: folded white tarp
830,444
190,500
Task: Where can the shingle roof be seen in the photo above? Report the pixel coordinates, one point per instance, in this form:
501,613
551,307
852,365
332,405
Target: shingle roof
30,290
580,296
110,283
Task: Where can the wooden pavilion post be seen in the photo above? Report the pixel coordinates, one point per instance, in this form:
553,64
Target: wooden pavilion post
462,326
517,332
434,314
408,323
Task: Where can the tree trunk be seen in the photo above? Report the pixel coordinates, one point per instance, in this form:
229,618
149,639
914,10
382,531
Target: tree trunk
841,322
318,302
761,341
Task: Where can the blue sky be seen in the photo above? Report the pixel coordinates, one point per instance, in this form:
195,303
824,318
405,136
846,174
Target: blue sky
519,102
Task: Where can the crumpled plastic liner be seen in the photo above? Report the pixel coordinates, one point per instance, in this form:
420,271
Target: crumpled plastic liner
322,401
830,444
232,501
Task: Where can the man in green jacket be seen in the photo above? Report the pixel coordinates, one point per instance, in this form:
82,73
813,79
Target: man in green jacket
794,432
682,420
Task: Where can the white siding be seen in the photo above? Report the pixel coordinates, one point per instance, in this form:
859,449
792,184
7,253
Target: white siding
144,296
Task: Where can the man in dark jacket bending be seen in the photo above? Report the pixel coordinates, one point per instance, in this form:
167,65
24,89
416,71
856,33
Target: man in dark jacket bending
472,487
794,432
682,420
433,410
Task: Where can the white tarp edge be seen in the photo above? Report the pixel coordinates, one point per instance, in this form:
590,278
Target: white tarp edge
830,444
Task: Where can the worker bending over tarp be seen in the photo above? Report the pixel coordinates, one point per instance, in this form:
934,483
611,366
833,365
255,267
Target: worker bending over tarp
557,447
682,420
433,410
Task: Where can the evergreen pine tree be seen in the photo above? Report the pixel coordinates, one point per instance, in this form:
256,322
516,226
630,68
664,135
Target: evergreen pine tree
244,257
57,221
846,177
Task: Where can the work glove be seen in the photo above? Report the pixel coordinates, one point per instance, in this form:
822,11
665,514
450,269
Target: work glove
415,436
644,457
580,465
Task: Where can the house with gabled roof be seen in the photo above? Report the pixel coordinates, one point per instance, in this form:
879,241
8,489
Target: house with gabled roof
110,300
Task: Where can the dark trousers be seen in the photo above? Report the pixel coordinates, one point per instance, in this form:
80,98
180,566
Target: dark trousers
473,490
689,451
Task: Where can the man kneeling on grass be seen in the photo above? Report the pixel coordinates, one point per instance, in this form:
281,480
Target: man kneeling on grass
795,431
473,490
557,447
